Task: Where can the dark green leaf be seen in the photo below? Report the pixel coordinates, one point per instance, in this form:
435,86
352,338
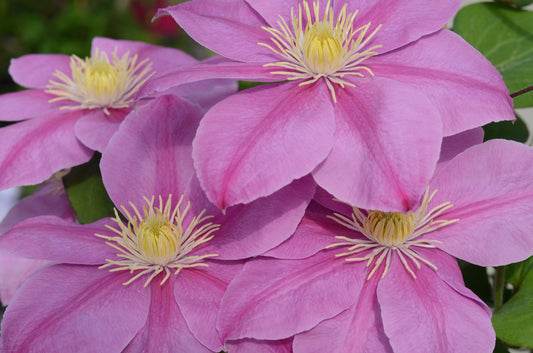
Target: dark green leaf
509,130
515,3
476,279
500,347
514,321
86,192
505,36
515,273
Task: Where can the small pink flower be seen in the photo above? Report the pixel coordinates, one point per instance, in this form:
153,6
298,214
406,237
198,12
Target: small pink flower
381,281
75,105
151,282
366,84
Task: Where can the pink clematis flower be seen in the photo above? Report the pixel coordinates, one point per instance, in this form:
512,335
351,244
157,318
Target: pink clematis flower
382,281
151,282
366,83
75,105
49,199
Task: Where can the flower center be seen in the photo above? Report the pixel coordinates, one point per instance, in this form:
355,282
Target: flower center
390,228
321,46
386,233
156,241
97,82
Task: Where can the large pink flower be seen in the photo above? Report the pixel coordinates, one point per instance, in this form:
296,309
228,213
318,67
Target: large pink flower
74,106
169,252
388,281
367,84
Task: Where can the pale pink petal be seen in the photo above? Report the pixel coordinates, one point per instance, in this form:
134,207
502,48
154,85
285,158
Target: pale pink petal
165,329
151,153
357,329
36,70
314,233
27,104
198,293
52,238
455,144
240,140
427,315
67,308
213,68
34,149
491,190
95,129
205,93
378,161
50,199
228,27
275,299
461,83
163,59
250,230
259,346
403,21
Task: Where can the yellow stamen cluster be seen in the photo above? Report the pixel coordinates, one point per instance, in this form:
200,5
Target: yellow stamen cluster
388,232
156,241
99,83
315,46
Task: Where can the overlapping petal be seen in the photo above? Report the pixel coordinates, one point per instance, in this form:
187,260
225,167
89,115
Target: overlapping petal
96,314
228,27
36,70
27,104
95,128
376,161
274,299
492,202
425,314
34,149
459,81
157,141
256,127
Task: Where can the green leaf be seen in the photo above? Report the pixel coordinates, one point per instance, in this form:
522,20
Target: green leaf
514,321
509,130
86,192
476,279
505,36
500,347
515,273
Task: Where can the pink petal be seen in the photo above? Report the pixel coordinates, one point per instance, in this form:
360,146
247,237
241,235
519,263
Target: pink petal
14,270
271,11
313,234
377,161
163,59
95,129
455,144
403,21
216,67
198,293
427,315
67,308
491,190
260,346
27,104
34,149
52,238
165,329
240,140
275,299
205,93
463,85
158,161
228,27
36,70
250,230
357,329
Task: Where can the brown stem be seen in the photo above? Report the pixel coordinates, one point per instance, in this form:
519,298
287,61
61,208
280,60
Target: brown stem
522,91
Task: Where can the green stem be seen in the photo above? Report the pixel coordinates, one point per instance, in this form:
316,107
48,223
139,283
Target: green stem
499,286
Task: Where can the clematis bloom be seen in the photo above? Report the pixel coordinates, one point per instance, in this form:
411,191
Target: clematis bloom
75,105
152,280
381,281
360,78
